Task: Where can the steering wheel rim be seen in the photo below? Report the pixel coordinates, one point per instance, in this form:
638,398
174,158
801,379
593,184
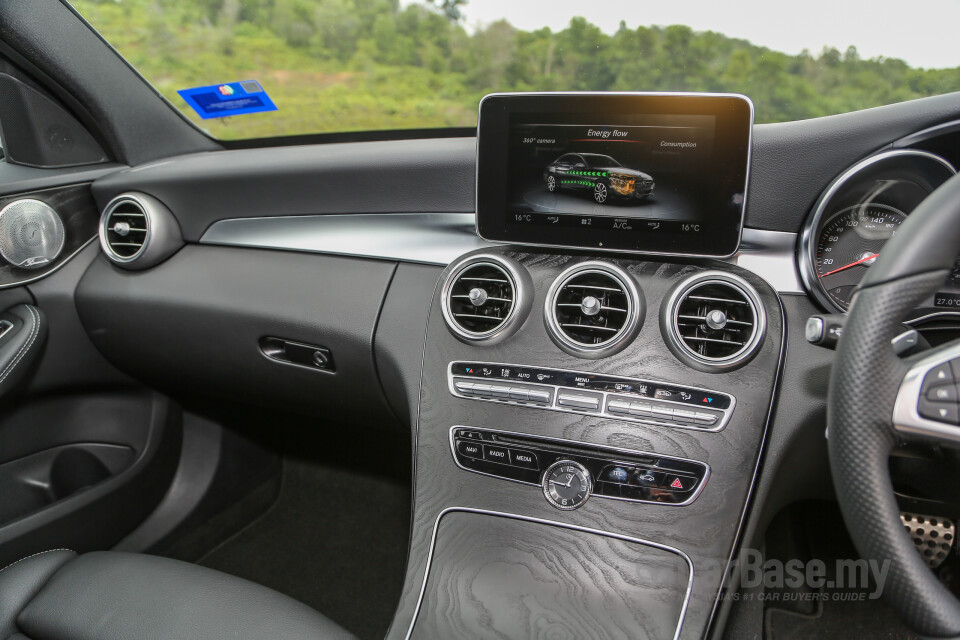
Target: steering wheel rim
867,383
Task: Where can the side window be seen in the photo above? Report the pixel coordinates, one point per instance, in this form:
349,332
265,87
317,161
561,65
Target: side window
565,161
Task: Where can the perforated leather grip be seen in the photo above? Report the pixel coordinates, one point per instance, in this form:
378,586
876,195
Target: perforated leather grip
863,388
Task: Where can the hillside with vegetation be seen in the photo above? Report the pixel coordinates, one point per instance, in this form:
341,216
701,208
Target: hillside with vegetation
349,65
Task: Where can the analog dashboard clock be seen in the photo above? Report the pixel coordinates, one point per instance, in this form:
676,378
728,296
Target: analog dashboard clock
567,484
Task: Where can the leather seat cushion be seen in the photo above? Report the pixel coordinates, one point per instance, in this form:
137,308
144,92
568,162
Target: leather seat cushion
121,596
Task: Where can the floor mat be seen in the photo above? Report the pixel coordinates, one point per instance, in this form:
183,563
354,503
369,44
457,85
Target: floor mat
870,619
816,531
335,540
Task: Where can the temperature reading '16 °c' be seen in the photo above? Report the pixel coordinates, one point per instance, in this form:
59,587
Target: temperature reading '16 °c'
849,244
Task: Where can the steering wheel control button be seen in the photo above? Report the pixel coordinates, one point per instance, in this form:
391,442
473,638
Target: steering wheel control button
939,375
938,411
943,393
492,453
678,483
526,459
567,484
470,449
579,400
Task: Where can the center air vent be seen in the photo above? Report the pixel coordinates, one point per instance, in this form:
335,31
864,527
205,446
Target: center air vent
593,309
714,320
483,297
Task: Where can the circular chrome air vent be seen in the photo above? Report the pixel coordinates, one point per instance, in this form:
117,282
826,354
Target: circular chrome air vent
137,231
483,297
124,228
593,309
714,321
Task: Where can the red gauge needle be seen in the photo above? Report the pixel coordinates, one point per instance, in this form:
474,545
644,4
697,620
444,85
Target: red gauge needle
852,264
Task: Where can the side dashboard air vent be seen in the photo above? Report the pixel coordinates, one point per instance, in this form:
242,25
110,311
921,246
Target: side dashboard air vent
484,297
137,231
126,229
593,309
714,320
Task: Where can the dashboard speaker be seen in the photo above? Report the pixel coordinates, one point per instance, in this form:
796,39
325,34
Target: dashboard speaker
31,234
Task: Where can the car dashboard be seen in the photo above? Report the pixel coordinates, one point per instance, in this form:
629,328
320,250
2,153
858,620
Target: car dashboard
595,432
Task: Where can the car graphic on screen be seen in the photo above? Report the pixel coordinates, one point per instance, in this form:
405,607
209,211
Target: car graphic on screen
599,175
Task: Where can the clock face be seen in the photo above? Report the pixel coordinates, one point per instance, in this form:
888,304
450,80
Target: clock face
567,484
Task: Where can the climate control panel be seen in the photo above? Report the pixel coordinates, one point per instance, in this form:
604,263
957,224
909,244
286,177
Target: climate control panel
569,473
630,399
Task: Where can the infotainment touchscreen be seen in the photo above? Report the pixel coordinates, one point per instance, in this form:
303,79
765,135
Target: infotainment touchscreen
653,173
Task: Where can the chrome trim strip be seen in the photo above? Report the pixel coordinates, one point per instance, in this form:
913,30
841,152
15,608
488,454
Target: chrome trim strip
808,236
932,316
602,412
563,525
906,418
60,265
575,443
639,94
425,238
770,255
441,238
761,452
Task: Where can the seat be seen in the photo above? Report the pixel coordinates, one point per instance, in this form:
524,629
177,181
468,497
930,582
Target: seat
59,595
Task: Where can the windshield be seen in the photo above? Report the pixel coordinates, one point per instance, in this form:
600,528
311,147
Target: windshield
264,68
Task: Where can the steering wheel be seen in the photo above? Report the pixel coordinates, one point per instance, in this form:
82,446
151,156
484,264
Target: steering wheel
877,400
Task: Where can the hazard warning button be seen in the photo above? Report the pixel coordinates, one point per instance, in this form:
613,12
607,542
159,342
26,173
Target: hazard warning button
678,483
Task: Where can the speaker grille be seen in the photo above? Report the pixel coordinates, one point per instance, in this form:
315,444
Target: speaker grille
31,234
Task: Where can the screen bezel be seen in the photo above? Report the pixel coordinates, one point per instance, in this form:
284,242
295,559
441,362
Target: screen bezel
732,144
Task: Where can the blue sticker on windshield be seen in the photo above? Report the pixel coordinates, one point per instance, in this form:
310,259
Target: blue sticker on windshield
230,99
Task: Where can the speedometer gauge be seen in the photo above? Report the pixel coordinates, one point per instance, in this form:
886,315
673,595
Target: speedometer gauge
849,244
857,215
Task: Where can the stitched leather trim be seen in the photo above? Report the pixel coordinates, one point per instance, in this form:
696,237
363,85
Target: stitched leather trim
40,553
34,332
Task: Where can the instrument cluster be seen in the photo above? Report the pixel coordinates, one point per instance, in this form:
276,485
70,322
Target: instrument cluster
858,214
